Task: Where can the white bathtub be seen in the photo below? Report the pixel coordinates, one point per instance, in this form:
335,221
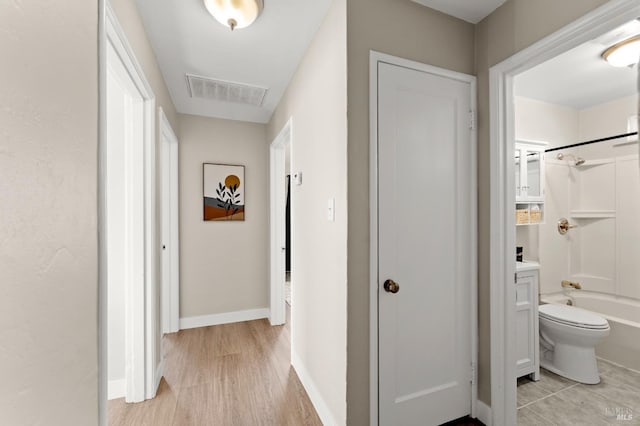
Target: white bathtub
623,344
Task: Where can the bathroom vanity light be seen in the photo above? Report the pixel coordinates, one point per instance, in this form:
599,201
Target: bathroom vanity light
234,13
623,54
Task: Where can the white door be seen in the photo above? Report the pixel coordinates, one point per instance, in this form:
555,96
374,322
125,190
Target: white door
125,239
170,227
425,226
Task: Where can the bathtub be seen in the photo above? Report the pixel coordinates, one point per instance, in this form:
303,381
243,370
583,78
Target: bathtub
623,314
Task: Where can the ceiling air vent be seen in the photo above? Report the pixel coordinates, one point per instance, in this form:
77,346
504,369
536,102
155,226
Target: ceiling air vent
225,91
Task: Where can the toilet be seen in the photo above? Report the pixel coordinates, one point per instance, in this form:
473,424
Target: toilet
568,336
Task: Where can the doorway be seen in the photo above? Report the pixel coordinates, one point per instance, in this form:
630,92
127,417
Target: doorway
128,331
281,253
503,189
125,231
423,250
170,235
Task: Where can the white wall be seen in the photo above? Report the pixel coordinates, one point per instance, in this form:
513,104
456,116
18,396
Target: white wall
48,213
223,265
601,253
606,119
536,120
316,100
560,125
557,125
593,249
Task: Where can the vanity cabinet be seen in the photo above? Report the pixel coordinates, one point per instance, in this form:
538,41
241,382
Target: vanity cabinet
527,338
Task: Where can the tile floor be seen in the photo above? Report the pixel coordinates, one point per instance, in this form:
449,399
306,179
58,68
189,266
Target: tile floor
554,400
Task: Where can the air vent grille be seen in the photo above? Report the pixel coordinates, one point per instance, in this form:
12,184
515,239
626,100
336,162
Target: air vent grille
225,91
623,32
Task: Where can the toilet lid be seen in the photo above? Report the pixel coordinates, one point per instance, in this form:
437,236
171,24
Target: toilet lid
573,316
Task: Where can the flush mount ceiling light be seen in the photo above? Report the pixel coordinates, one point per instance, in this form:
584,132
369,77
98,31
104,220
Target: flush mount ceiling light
624,54
234,13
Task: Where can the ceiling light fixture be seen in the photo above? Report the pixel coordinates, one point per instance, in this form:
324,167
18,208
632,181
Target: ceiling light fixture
234,13
624,54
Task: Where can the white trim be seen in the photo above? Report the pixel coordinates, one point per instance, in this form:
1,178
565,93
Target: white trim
116,389
374,59
158,375
484,413
170,285
141,312
373,238
277,224
326,417
224,318
502,246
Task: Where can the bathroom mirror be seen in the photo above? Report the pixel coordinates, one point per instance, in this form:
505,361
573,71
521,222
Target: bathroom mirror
533,173
518,184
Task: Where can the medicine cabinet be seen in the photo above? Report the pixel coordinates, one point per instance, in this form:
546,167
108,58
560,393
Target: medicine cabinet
529,168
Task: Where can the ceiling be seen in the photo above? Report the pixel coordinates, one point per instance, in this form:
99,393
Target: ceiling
472,11
580,78
187,39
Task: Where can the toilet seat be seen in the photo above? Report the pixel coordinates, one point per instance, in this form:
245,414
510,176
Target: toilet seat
572,316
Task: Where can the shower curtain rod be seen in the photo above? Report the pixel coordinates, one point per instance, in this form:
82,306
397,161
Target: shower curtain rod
590,142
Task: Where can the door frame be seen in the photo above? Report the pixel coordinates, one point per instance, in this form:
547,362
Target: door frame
170,226
142,310
374,59
502,239
277,223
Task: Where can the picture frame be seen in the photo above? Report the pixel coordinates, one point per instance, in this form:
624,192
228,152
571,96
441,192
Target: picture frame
223,192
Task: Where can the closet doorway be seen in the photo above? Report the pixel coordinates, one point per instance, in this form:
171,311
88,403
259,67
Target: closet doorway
282,259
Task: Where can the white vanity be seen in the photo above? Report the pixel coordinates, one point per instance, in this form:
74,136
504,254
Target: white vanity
527,338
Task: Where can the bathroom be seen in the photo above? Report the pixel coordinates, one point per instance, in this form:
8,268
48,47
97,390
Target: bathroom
578,236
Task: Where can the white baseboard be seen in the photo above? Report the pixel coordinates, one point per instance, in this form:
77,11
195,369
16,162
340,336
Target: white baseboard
158,376
116,389
314,395
484,413
225,318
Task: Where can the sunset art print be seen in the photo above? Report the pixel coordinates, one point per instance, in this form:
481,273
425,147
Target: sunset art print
224,191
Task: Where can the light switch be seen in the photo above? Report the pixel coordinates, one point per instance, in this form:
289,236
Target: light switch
331,210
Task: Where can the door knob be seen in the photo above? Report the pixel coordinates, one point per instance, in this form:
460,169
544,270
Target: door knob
390,286
564,226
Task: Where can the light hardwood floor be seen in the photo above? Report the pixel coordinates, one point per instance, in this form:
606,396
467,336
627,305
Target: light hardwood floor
233,374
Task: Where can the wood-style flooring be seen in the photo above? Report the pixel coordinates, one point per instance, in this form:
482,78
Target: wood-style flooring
233,374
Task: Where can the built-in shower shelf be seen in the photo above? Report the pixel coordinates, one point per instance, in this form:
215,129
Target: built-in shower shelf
592,214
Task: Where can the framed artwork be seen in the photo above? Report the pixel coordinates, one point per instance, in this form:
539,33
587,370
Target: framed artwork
223,192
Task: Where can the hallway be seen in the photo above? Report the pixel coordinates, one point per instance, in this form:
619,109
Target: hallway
232,374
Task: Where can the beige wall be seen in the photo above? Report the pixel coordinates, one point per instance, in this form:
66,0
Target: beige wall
48,213
317,102
223,265
512,27
407,30
131,22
